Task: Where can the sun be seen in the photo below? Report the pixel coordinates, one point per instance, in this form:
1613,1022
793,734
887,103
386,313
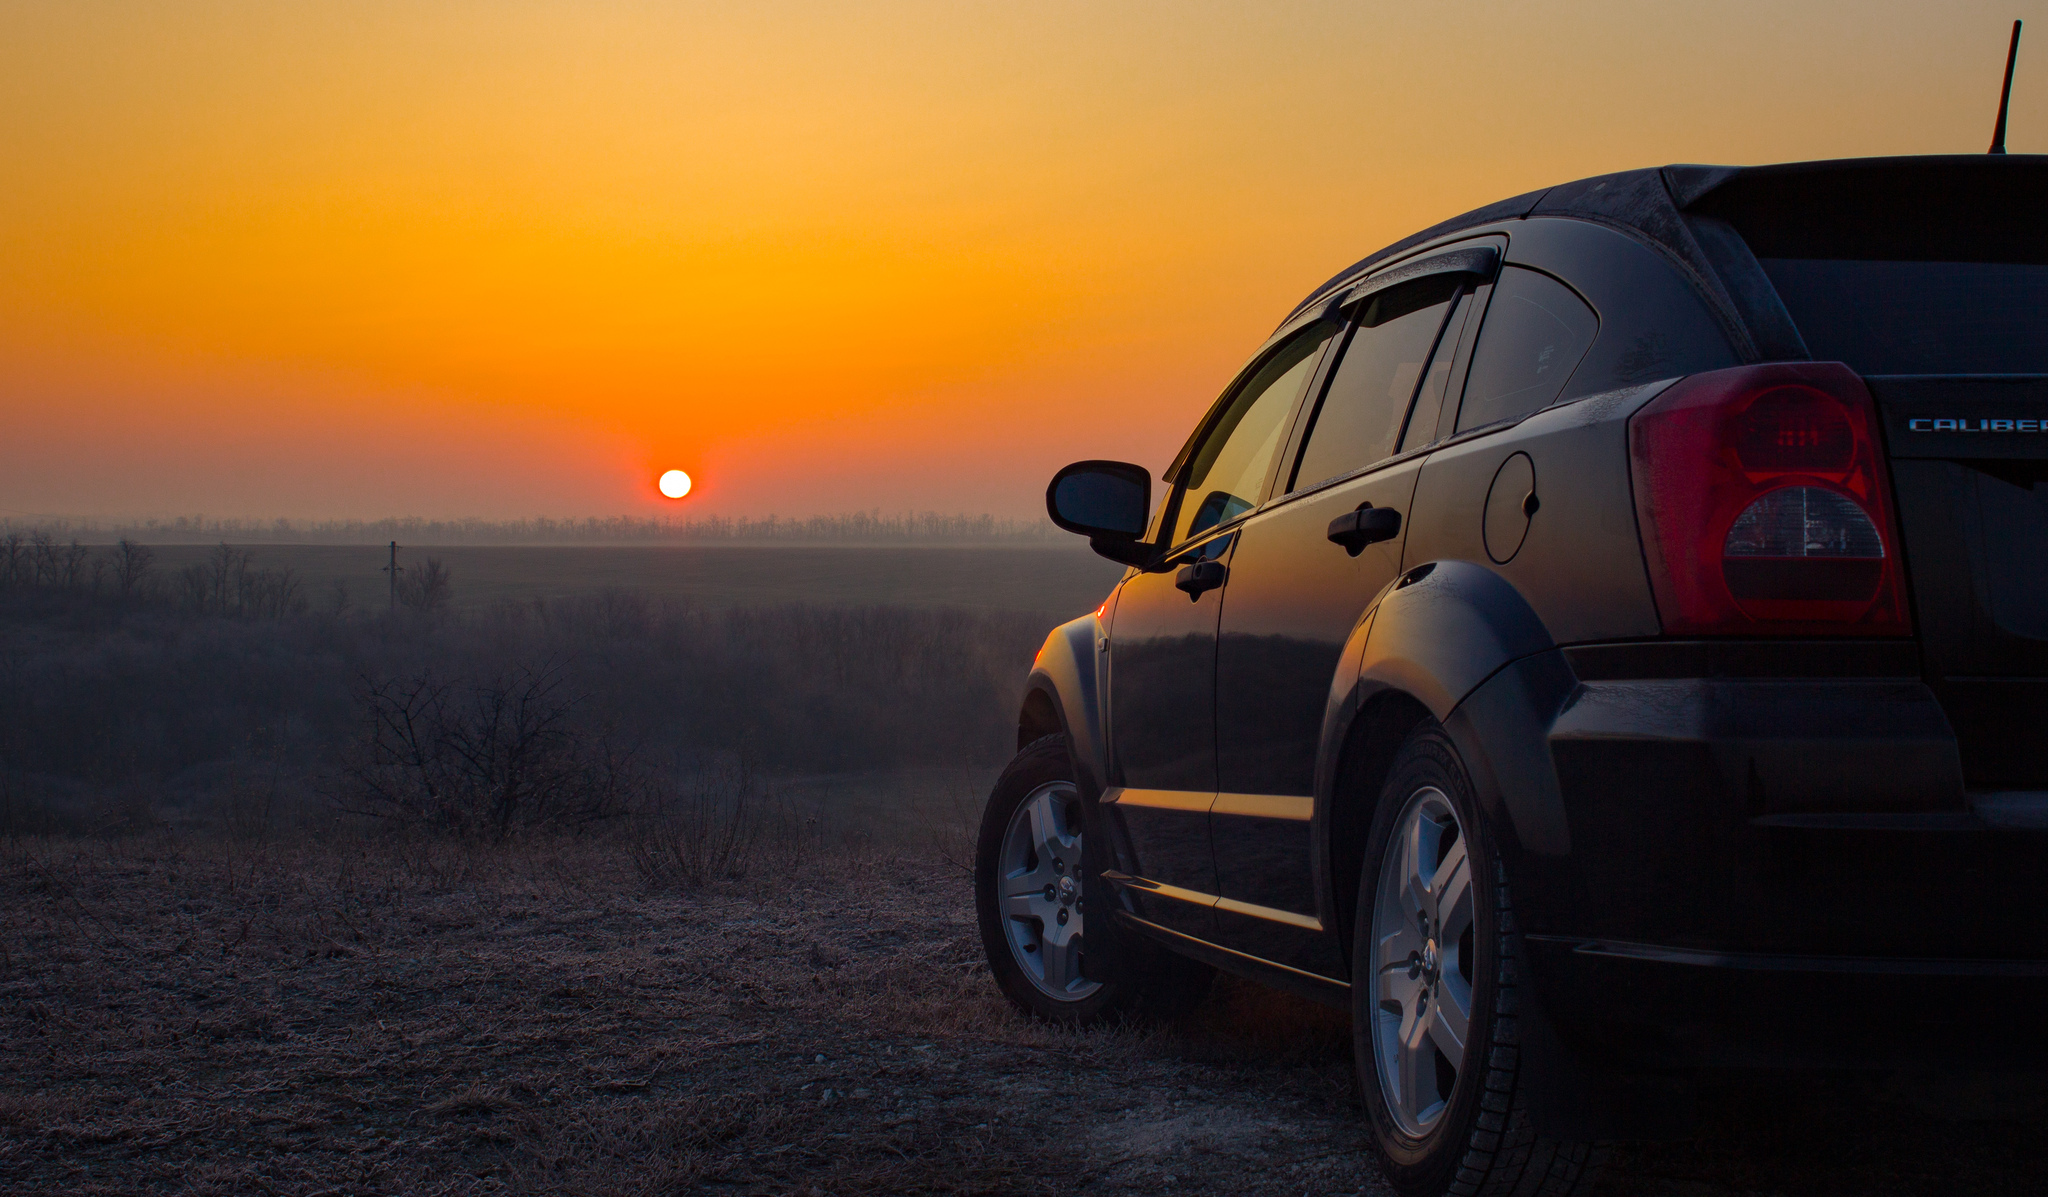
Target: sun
675,484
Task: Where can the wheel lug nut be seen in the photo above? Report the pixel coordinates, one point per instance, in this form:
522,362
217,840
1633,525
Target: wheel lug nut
1058,865
1063,916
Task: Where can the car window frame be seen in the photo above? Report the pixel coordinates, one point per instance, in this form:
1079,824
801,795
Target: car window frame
1332,309
1447,423
1480,289
1461,366
1310,412
1169,511
1385,463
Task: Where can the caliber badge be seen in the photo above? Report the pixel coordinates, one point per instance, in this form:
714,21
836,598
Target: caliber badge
1930,424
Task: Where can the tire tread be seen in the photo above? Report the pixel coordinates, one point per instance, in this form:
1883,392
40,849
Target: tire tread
1500,1155
1504,1156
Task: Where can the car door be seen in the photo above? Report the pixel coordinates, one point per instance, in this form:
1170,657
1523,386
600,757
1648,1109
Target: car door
1162,644
1294,597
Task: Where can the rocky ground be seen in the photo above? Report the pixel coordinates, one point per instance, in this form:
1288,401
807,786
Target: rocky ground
356,1018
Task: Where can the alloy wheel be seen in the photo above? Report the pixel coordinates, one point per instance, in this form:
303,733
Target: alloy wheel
1039,875
1421,971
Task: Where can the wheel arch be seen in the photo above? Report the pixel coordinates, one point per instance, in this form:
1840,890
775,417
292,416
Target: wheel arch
1039,717
1369,748
1063,694
1455,642
1428,643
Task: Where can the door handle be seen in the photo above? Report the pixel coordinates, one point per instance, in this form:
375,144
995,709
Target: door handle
1201,576
1368,525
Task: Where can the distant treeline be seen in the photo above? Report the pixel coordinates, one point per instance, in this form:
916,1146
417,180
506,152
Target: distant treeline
225,583
866,527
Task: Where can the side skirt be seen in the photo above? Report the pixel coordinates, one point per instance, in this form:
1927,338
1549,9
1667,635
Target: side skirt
1309,985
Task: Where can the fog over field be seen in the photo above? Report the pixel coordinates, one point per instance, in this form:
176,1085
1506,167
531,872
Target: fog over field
594,862
162,685
1059,581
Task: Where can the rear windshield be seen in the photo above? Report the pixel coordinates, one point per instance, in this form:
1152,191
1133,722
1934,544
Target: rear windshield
1918,317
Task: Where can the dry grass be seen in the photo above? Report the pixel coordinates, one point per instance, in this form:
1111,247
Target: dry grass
364,1016
428,1018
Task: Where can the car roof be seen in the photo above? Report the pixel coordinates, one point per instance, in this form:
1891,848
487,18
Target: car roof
1909,205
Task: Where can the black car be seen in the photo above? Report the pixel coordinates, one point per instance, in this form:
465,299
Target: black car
1597,639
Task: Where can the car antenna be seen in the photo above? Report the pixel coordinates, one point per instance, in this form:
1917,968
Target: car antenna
2005,97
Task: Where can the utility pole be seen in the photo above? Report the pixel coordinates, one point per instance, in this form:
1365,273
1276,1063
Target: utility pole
394,570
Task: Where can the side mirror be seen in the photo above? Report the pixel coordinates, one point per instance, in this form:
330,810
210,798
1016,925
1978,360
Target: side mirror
1109,502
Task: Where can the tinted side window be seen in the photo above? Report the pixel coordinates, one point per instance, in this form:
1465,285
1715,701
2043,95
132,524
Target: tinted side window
1224,476
1360,416
1536,331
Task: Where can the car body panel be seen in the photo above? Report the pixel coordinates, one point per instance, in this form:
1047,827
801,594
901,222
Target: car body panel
1161,717
1968,459
1579,561
1293,600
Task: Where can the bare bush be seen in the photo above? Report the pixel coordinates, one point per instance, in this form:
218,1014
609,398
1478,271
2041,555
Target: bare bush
14,561
132,563
483,758
710,826
42,559
248,808
39,562
71,568
226,584
426,587
35,561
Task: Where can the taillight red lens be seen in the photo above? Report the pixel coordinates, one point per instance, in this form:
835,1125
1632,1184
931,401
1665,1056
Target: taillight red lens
1794,428
1765,505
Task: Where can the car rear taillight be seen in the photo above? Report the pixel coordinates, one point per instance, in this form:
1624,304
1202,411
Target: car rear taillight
1765,506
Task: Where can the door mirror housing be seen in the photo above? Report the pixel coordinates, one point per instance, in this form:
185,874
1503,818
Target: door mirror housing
1109,502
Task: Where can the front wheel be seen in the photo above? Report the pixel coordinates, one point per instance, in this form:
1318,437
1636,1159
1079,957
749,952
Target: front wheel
1435,972
1044,909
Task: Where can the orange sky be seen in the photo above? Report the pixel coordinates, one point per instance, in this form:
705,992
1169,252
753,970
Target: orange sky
507,259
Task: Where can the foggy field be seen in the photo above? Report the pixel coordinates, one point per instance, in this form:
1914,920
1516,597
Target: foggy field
1061,581
206,687
386,1016
662,889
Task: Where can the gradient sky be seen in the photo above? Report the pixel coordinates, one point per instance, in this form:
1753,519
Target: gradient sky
504,259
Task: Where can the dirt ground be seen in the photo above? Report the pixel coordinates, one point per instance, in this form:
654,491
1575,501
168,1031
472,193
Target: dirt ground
359,1018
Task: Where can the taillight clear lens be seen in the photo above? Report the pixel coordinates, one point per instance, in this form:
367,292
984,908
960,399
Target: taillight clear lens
1799,546
1765,505
1803,521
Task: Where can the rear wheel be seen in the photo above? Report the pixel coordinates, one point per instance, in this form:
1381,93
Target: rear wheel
1044,909
1435,973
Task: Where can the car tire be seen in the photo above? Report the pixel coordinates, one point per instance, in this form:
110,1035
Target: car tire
1436,973
1038,884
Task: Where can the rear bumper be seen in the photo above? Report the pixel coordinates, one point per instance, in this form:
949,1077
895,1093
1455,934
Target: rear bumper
1760,870
1657,1006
